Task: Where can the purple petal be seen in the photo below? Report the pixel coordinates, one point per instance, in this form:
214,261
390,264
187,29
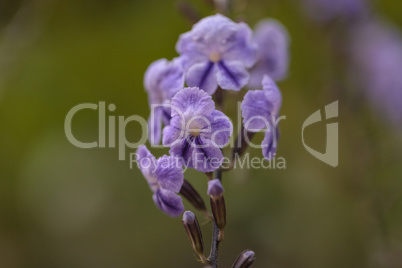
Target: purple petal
155,125
168,202
169,173
220,129
173,80
192,100
147,163
173,133
206,157
206,34
191,52
183,149
270,143
202,75
272,94
163,79
256,111
241,47
273,43
152,78
232,75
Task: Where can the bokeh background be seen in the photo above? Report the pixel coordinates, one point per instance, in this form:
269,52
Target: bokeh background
63,207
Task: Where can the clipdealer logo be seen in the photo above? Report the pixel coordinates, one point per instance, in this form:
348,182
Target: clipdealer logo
331,155
107,134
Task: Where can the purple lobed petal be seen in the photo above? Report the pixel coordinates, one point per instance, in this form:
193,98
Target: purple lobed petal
272,94
206,157
240,46
273,47
168,202
155,125
203,75
147,164
174,132
169,173
183,149
220,129
232,75
256,111
192,100
270,143
261,107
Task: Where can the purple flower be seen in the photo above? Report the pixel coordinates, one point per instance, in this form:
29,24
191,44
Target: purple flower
162,80
217,51
273,48
326,10
197,131
260,109
165,178
376,54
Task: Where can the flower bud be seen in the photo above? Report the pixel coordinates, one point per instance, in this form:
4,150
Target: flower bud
215,190
245,259
192,196
194,234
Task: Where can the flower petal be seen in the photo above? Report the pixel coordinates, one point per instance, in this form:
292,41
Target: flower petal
273,46
220,129
163,79
272,94
169,173
168,202
173,78
174,132
256,111
192,100
206,157
241,47
147,163
203,75
155,125
232,75
183,149
270,143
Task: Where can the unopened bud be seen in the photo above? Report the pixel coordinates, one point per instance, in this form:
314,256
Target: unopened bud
194,234
215,190
192,196
245,259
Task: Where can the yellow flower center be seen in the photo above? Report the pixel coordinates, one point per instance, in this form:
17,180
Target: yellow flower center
195,132
214,56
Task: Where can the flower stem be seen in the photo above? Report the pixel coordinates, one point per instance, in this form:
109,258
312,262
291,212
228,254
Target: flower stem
213,258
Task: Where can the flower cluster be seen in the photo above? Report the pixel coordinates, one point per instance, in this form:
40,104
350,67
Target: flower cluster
215,53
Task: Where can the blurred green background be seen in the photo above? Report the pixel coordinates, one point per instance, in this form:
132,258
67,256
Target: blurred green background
61,206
